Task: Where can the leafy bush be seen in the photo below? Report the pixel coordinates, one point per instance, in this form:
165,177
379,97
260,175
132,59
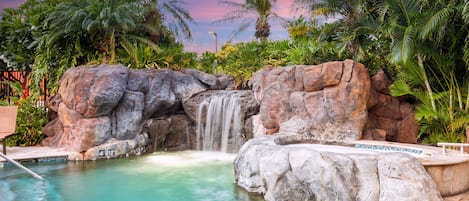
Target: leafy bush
448,119
242,60
17,93
29,124
173,57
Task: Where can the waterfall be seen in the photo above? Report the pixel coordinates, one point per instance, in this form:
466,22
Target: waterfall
218,121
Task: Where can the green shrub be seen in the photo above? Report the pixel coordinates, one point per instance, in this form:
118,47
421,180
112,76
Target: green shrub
173,57
29,124
242,60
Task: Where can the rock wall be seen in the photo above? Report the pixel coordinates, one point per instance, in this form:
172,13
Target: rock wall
326,172
334,101
149,110
389,118
324,102
109,110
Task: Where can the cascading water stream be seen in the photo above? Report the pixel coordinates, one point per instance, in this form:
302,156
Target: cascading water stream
218,121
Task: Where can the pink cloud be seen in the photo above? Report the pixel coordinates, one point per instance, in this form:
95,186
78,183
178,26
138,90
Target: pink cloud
283,8
207,10
212,10
10,4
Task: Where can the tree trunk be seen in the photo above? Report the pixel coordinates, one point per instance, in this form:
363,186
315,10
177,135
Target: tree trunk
427,83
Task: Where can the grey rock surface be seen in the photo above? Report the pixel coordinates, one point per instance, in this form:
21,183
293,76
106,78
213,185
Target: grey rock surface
107,106
330,172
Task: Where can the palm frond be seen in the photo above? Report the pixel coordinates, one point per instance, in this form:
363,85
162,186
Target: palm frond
434,21
402,47
465,12
400,88
145,41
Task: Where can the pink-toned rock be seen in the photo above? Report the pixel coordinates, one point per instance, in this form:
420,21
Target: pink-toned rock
80,134
388,113
381,82
408,132
331,73
51,128
327,101
312,78
373,100
388,107
378,134
275,106
92,91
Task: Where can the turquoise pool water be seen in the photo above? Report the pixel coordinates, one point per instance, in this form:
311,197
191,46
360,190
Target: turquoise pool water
183,176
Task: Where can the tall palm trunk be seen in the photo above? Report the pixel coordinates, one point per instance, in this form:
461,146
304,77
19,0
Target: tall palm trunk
427,83
262,28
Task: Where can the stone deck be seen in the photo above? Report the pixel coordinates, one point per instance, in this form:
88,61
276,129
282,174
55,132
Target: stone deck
34,154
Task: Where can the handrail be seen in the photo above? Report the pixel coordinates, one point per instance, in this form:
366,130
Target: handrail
21,166
460,145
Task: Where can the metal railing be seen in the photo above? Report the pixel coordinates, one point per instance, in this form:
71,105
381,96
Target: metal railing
23,78
21,166
449,144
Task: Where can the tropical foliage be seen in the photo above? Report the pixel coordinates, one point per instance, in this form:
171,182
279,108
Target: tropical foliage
54,35
422,43
29,124
243,59
30,119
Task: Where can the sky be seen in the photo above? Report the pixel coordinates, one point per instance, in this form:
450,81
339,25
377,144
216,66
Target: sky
205,14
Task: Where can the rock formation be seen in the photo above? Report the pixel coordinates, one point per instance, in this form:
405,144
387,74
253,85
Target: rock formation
327,172
324,102
389,118
333,101
110,110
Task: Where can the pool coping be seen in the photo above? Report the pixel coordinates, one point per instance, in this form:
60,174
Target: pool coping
431,155
35,154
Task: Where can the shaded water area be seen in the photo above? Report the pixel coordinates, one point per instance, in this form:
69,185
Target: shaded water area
160,176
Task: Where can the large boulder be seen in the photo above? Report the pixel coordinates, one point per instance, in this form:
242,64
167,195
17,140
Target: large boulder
92,91
330,172
325,102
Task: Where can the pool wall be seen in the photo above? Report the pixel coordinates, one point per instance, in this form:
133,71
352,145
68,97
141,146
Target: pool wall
450,179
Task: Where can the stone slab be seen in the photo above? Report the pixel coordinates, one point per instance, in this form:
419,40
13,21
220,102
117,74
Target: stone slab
33,153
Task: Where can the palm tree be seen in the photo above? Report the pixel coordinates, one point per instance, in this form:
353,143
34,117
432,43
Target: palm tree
417,30
106,25
168,17
430,45
355,18
262,9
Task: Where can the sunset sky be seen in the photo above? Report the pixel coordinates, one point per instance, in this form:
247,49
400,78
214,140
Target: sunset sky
205,13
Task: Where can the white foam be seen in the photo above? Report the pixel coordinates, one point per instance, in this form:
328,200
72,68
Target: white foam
187,158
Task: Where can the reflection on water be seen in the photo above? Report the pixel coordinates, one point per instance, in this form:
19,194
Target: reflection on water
161,176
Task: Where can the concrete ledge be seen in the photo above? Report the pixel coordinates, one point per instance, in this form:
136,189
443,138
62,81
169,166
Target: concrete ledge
448,170
36,154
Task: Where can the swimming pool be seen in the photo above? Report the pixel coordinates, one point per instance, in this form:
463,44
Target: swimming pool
181,176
